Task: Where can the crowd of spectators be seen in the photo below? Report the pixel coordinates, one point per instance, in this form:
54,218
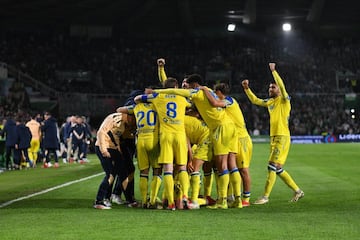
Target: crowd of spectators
307,64
16,99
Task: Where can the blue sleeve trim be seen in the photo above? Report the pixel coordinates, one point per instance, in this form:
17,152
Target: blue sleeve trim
144,98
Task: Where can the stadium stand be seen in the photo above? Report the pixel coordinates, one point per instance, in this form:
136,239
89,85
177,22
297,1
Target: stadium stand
318,72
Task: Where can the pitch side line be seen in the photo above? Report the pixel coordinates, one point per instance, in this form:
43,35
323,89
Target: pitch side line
49,190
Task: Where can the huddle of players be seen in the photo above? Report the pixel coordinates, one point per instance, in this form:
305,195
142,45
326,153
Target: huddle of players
215,148
180,132
183,131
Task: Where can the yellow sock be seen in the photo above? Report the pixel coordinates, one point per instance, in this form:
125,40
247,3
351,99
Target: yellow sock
169,187
163,195
184,182
216,175
208,180
288,180
230,189
223,184
270,181
155,186
143,185
235,180
195,186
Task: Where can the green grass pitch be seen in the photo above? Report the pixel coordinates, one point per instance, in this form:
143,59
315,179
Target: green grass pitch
328,174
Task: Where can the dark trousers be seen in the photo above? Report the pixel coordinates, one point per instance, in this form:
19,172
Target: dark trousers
128,149
48,151
9,150
18,153
111,166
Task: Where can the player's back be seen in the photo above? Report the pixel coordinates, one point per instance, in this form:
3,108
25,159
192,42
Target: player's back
171,110
146,119
112,126
34,127
196,130
213,116
235,113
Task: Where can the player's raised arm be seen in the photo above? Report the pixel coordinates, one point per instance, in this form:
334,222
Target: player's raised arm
278,80
161,70
122,110
126,109
213,101
252,97
176,91
139,99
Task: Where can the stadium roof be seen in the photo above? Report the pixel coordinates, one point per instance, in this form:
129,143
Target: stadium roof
181,16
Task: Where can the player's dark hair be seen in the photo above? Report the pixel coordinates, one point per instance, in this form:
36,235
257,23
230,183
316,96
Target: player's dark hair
194,78
130,100
224,88
170,83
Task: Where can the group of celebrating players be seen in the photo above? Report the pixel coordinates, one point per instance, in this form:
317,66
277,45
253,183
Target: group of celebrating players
184,132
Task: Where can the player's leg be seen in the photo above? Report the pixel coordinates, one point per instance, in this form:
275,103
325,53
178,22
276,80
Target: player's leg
155,185
243,161
143,165
166,160
31,150
180,150
153,155
235,180
208,178
221,154
108,167
129,171
284,146
271,176
25,153
169,185
195,183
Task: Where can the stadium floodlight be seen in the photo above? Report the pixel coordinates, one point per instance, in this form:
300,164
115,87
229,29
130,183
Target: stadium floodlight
231,27
286,27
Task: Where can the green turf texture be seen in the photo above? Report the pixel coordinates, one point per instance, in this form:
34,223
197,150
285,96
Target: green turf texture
328,174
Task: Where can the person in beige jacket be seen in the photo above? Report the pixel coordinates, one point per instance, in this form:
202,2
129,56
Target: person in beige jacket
107,148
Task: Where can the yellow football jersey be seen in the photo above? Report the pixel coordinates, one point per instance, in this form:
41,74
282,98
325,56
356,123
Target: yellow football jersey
146,119
196,130
235,113
171,110
213,116
279,108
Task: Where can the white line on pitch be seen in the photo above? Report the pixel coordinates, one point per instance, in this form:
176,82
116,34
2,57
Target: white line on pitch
48,190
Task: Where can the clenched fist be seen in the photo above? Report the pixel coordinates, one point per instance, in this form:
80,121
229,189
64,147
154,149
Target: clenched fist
272,66
160,62
245,84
